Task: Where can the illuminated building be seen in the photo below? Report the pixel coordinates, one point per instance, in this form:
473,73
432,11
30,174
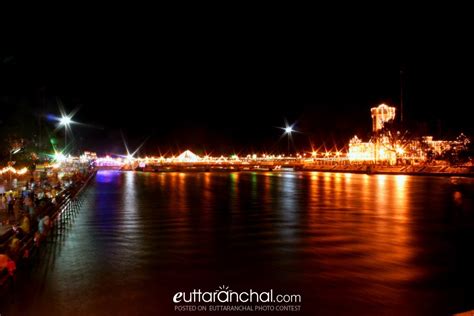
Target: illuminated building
379,148
438,148
360,151
387,148
90,155
372,151
381,115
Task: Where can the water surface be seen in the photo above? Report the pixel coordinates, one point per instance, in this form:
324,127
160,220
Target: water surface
348,243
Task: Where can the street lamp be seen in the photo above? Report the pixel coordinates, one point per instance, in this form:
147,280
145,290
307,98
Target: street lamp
13,152
66,121
288,130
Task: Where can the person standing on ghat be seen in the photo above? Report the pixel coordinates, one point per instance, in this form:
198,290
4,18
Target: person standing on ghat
11,202
3,201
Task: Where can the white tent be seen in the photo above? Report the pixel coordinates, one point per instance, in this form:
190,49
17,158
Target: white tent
188,156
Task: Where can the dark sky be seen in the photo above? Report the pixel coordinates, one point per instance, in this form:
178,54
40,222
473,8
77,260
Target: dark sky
224,89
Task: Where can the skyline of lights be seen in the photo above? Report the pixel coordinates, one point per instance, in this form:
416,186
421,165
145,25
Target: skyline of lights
380,148
380,115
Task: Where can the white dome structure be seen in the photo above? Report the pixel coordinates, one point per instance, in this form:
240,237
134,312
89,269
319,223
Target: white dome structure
188,156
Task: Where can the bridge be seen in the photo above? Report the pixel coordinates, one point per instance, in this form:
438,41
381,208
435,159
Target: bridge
189,161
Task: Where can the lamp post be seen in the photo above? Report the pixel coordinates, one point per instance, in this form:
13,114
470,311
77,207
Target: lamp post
288,131
66,121
10,163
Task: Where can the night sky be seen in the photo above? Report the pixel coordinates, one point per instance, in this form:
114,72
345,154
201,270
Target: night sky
224,90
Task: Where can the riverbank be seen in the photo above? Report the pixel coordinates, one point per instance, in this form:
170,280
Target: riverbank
446,171
20,241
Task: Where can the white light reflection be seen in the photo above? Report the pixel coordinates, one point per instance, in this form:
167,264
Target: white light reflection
129,219
288,207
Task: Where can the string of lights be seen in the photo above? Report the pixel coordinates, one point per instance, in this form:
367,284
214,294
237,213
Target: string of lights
13,170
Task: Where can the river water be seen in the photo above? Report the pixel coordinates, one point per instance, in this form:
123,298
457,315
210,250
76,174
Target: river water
347,243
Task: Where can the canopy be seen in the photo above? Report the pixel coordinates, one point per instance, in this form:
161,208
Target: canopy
188,156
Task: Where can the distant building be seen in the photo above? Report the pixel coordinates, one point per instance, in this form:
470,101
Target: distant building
385,147
379,148
381,115
360,151
372,151
90,155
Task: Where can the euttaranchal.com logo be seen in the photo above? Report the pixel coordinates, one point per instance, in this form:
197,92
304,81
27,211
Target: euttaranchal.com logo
225,299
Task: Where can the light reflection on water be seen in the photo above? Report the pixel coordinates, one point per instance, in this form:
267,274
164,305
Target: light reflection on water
348,243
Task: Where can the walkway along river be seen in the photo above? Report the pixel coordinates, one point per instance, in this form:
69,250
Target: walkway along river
54,219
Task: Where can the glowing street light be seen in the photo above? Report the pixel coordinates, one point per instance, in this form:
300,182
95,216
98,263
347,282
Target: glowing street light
59,157
66,121
13,152
288,130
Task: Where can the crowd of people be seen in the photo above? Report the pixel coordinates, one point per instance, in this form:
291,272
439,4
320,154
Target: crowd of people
27,211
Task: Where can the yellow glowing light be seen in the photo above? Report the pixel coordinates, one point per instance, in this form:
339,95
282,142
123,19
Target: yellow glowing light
381,115
360,151
13,170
